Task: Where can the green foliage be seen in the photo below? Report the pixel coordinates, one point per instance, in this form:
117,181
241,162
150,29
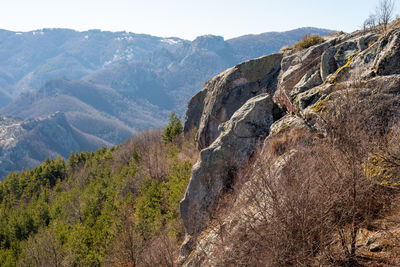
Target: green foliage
173,128
308,41
179,176
75,208
159,201
149,209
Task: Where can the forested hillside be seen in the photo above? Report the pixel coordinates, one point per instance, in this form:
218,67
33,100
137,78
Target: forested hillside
115,206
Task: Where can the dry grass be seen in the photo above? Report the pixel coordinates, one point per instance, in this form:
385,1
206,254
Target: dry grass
286,48
308,41
279,144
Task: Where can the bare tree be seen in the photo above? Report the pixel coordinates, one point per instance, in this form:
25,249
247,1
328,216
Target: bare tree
370,22
43,249
384,12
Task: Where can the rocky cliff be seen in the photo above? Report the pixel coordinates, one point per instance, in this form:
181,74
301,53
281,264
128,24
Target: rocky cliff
242,108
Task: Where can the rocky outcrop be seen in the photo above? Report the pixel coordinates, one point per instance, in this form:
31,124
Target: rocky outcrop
295,65
227,92
389,60
348,59
220,162
317,65
231,123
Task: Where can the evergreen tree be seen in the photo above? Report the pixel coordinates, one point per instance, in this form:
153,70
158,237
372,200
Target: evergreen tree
173,128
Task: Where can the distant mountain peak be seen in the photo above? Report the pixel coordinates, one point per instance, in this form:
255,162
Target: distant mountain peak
209,42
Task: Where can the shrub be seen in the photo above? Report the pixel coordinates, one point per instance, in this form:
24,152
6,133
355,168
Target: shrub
286,48
308,41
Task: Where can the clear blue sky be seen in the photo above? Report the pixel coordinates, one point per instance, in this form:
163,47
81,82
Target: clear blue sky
186,18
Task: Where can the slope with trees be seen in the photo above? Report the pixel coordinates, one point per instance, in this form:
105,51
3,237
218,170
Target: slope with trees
115,206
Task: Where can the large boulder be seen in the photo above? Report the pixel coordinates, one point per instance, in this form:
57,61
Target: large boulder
371,55
296,65
311,67
328,63
227,92
223,159
389,61
337,56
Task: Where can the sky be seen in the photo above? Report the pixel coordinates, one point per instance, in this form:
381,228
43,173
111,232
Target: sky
186,19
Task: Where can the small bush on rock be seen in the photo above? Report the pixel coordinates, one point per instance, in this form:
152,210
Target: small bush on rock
308,41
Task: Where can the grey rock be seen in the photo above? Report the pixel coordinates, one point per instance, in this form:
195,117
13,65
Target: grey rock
328,63
284,123
195,111
310,97
315,67
389,61
296,65
218,165
298,70
309,80
227,92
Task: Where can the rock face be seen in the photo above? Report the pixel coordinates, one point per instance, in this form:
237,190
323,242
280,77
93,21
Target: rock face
239,108
219,163
195,110
389,60
297,65
227,92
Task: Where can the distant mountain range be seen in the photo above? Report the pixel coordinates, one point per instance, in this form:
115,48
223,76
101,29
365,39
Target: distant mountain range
63,90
